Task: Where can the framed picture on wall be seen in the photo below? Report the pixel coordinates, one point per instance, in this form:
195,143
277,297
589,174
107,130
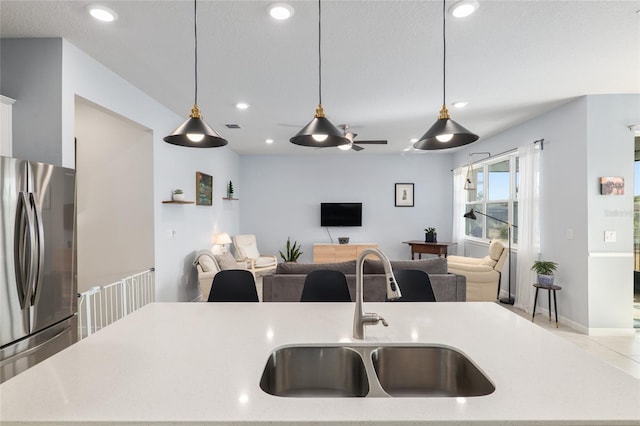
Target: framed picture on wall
612,185
404,195
204,189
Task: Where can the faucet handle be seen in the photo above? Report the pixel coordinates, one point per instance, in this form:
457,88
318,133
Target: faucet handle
383,321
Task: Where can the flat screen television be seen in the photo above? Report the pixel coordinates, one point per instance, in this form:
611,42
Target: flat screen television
340,214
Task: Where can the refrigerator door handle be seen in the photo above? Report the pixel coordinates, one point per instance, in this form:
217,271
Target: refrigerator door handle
37,251
23,238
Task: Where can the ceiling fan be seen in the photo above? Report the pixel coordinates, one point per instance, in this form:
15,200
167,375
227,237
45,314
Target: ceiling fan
351,136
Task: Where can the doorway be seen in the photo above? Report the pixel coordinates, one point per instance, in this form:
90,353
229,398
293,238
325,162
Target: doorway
114,181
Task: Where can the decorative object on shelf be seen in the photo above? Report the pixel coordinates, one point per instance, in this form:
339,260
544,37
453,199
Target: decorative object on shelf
343,240
292,251
445,133
230,190
204,189
471,215
545,270
612,185
320,132
178,195
195,132
404,195
430,235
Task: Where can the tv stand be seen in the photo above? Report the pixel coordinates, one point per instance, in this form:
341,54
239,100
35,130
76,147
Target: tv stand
331,253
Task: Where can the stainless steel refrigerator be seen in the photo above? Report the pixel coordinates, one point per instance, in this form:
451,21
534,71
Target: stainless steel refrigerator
37,263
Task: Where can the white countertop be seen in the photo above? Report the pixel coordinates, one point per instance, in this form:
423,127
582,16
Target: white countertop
202,363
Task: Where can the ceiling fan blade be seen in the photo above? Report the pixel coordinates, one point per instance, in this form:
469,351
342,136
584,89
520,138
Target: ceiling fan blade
356,147
374,142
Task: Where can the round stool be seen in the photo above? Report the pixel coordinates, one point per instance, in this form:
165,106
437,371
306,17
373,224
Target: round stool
549,288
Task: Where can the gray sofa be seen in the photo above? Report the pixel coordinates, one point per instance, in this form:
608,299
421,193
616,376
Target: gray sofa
285,285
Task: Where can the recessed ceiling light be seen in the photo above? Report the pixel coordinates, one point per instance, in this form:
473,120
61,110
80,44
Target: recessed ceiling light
464,8
460,104
280,11
414,140
102,13
268,141
242,105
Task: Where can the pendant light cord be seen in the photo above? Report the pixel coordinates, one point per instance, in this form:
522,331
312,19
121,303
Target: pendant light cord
195,36
319,53
444,54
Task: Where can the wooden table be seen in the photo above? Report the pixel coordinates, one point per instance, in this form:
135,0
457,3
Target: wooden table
428,248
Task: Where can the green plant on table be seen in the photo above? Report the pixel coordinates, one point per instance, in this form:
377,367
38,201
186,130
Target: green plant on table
292,251
544,267
430,230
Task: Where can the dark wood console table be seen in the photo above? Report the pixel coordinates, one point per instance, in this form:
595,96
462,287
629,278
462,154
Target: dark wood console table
428,248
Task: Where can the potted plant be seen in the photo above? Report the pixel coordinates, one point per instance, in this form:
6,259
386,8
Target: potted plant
292,251
230,190
430,235
545,270
178,195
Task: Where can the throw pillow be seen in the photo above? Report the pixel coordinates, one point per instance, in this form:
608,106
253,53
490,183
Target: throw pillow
227,261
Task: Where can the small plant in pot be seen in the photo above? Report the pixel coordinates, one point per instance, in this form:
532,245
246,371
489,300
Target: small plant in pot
292,251
545,270
178,195
430,235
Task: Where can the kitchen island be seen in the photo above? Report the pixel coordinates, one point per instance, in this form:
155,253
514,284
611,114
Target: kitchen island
201,363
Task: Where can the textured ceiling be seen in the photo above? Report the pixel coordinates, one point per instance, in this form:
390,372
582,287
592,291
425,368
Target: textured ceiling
381,61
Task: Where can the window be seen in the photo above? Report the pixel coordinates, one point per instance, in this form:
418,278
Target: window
496,195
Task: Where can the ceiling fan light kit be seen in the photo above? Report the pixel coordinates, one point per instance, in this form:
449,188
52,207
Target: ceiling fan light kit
445,133
194,132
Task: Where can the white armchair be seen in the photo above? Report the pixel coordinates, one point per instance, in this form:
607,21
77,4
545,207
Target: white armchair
483,274
207,267
246,249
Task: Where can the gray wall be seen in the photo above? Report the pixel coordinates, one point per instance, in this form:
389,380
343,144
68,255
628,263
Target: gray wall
584,139
280,196
32,72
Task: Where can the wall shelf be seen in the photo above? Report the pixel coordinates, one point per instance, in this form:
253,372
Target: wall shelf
177,202
230,198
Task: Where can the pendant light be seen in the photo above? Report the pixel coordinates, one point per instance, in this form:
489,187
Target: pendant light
195,132
445,133
320,133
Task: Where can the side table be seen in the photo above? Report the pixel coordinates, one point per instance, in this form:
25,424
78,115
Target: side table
549,288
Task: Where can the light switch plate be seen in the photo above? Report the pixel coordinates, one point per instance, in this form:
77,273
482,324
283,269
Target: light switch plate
609,236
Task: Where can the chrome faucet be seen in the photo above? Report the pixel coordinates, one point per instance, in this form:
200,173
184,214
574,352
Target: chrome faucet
361,318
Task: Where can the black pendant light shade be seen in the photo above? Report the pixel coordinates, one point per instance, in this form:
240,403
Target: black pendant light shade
320,133
445,133
194,132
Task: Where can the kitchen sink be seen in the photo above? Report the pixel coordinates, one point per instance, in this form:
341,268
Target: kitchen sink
315,371
428,371
372,371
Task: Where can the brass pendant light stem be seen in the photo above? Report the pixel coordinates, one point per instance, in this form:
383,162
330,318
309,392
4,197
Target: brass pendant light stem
319,111
195,112
444,112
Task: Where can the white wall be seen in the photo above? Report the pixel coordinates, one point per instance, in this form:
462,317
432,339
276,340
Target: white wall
280,196
173,166
114,178
583,139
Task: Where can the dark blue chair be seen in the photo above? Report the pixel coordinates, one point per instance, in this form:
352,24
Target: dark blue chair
233,285
325,286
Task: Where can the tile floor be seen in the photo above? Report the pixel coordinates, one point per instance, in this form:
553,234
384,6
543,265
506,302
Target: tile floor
622,352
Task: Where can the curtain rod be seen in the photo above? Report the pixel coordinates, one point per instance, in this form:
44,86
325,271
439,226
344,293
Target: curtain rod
540,141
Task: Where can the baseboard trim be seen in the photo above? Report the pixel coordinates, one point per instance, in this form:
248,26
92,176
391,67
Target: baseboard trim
611,331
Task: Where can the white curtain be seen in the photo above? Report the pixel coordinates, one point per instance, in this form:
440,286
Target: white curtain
528,224
459,202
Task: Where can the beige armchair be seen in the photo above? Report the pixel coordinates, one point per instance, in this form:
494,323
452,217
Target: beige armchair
246,249
208,265
483,274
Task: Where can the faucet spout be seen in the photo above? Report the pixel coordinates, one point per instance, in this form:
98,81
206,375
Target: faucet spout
361,318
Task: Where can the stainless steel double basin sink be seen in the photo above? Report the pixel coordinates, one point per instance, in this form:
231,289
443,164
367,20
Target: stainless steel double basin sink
372,371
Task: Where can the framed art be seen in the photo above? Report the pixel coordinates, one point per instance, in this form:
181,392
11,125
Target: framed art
204,189
612,185
404,195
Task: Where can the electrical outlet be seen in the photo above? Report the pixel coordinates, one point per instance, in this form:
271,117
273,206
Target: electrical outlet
171,233
609,236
